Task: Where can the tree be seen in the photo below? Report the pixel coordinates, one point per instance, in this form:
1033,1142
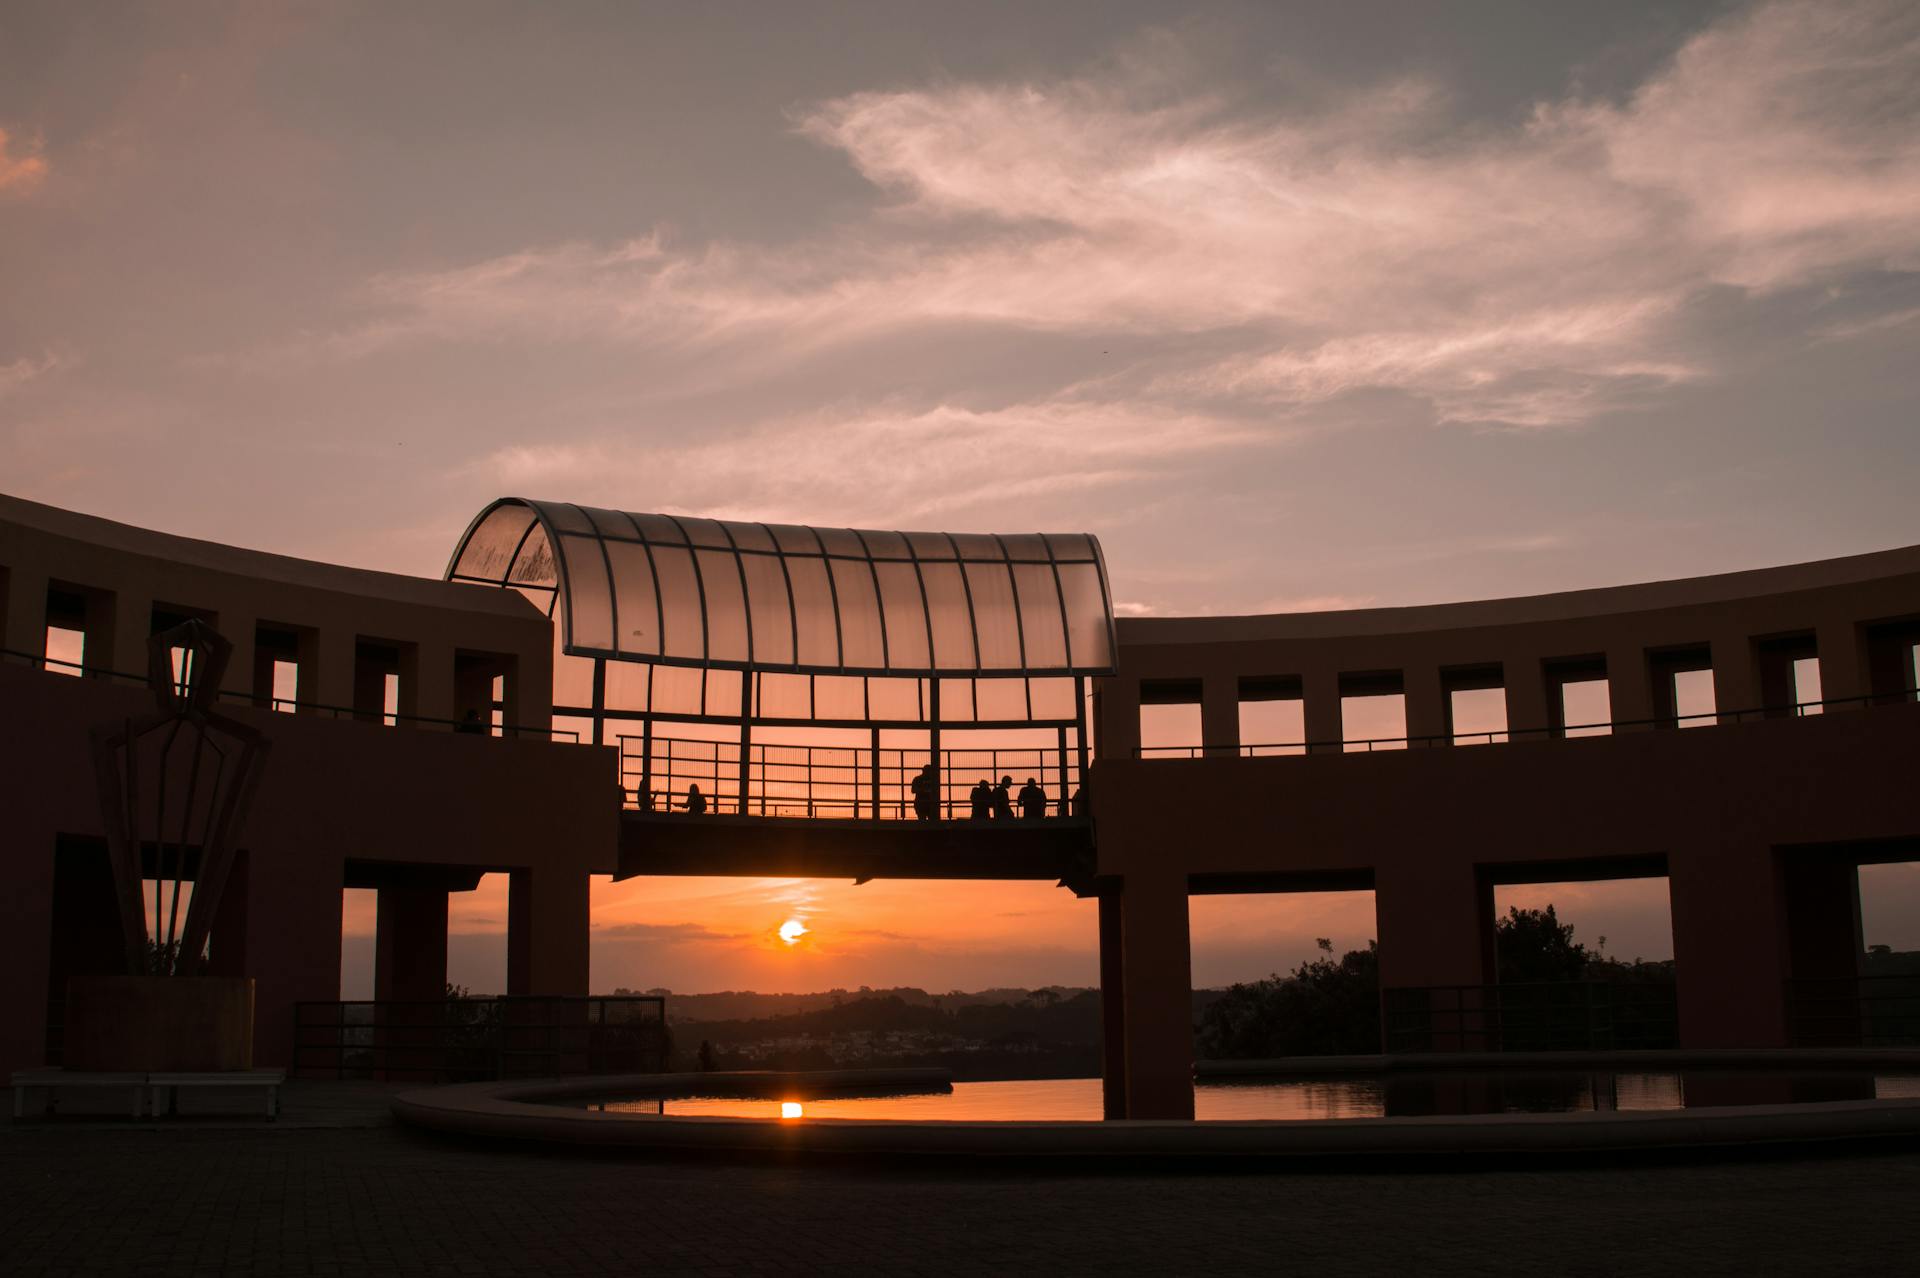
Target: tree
1534,945
1324,1007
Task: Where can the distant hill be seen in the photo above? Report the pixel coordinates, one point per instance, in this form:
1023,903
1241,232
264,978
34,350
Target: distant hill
747,1005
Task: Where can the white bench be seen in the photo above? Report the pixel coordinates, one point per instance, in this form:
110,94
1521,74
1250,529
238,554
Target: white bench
52,1081
169,1085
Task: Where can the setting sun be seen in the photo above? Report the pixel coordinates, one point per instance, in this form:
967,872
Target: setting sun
791,1109
792,930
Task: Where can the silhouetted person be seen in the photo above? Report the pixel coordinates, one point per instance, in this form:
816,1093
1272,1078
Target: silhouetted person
1033,801
1003,800
926,794
643,798
982,797
696,803
706,1057
471,724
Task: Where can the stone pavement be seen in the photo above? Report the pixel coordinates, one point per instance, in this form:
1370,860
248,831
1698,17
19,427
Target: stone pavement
342,1192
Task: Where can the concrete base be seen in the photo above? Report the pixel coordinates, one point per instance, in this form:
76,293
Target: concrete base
533,1111
152,1024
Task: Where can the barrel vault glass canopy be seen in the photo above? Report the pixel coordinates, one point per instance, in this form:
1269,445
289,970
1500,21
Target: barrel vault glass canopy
674,590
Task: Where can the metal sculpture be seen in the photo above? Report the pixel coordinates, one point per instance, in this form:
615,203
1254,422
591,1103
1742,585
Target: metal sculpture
178,783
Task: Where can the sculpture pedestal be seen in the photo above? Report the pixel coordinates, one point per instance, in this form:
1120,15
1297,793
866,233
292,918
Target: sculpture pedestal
159,1024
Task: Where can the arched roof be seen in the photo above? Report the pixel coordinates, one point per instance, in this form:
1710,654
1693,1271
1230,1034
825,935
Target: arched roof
676,590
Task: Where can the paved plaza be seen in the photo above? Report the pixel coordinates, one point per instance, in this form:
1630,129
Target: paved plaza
338,1190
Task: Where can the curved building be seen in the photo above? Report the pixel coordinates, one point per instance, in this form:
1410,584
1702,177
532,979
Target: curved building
546,711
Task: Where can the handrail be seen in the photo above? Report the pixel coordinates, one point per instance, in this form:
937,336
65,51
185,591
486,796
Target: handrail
814,781
284,705
1497,736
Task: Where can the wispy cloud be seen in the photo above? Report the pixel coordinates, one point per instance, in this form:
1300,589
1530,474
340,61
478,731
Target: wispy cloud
22,168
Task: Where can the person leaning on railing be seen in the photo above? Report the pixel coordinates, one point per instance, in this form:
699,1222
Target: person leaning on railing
1033,801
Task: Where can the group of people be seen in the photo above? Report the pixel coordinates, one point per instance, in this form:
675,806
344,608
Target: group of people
989,802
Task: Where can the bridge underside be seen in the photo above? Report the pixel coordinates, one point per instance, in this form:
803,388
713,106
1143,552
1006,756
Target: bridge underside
657,843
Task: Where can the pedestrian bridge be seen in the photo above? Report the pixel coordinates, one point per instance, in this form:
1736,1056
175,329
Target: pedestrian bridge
845,692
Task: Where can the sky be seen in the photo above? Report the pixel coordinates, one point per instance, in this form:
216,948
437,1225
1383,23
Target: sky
1295,305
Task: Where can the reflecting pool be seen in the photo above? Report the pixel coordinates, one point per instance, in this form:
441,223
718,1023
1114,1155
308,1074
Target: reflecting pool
1392,1094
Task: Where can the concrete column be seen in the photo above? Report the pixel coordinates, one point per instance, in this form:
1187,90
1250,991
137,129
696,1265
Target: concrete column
530,690
292,938
1320,710
1729,945
239,629
410,944
1158,997
1220,715
333,676
1113,1006
1528,716
1843,662
427,690
547,922
1436,929
1119,717
132,627
26,612
1629,685
1736,676
1426,701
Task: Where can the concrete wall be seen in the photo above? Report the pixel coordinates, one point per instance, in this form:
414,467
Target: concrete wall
1722,807
340,798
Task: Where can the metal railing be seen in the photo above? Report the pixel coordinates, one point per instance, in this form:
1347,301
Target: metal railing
293,705
1553,1016
1854,1011
849,782
1361,745
472,1039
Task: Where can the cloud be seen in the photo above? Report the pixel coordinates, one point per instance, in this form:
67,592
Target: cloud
1529,274
19,173
16,375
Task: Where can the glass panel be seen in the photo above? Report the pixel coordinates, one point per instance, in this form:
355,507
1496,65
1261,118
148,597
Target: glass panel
885,545
1053,698
930,545
794,539
1026,547
626,687
994,617
633,590
705,532
896,699
906,616
572,677
726,606
813,604
956,700
535,566
658,528
1086,616
1002,700
564,517
609,523
952,620
489,550
977,546
785,696
587,575
723,692
1040,617
749,536
680,601
859,615
676,690
839,697
841,541
767,605
1071,546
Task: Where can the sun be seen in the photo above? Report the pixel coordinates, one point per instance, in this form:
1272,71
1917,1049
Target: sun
792,930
